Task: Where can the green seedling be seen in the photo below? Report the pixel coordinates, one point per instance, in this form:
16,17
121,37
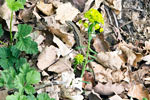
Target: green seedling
17,75
94,21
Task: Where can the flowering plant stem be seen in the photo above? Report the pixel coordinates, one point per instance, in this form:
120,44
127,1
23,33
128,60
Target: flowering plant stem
90,32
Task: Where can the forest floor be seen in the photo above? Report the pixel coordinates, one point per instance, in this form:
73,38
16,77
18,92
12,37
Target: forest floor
120,70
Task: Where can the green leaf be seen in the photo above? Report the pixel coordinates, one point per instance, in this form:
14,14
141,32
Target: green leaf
1,82
25,68
91,50
15,51
20,62
14,5
27,45
145,99
6,58
43,96
8,77
22,97
19,82
5,63
1,30
31,97
29,89
23,30
4,52
33,77
93,57
12,97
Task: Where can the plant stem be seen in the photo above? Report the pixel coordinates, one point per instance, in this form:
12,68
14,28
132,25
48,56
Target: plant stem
11,36
87,55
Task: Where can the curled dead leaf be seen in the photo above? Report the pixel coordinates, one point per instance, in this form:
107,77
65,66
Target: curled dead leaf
47,9
65,37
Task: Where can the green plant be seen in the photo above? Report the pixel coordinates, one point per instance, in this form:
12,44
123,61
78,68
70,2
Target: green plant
17,75
145,99
94,21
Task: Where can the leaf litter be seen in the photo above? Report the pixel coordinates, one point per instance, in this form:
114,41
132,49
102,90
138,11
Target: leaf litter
121,68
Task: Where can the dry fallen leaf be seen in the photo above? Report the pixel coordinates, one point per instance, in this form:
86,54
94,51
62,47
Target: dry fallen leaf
116,5
47,57
63,49
110,60
115,97
129,56
108,89
147,45
100,44
71,91
147,59
47,9
147,32
139,92
94,96
66,12
63,64
65,37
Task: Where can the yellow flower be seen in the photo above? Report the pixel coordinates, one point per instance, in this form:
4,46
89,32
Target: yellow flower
96,26
94,15
101,30
85,25
79,59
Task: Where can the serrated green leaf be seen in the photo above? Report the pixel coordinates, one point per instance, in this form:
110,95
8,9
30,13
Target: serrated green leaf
1,30
7,62
6,59
4,52
23,31
19,82
1,82
29,89
33,77
8,76
12,97
25,68
20,62
22,97
43,96
27,45
15,51
31,97
14,5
